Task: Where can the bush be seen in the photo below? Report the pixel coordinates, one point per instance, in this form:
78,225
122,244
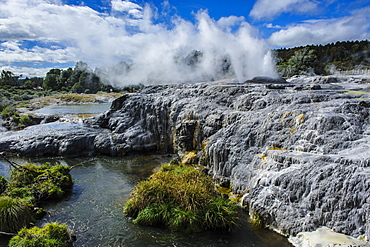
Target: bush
182,199
25,119
52,235
14,214
9,111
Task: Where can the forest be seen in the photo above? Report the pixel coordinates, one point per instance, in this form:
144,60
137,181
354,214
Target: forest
323,59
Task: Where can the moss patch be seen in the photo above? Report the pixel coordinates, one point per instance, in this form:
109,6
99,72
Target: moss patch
52,235
41,182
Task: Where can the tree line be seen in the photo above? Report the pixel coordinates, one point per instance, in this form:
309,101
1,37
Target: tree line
323,59
80,79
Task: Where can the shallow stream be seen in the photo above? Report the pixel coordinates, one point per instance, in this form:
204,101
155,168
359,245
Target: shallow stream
93,210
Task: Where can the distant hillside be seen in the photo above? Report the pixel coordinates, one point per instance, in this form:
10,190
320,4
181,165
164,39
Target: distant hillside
323,59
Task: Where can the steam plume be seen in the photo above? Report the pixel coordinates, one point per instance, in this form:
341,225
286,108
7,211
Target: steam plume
206,50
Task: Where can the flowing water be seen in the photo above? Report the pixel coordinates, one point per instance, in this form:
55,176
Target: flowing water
93,210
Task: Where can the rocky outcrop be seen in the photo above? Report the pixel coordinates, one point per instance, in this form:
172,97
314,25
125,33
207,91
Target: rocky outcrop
297,151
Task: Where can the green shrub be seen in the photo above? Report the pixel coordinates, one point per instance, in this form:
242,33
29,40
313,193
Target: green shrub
14,214
52,235
25,119
182,199
9,111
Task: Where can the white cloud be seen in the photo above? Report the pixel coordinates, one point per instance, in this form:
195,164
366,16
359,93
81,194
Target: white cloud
268,9
26,71
270,25
125,6
323,31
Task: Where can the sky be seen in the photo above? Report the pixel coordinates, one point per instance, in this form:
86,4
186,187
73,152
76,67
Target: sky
37,35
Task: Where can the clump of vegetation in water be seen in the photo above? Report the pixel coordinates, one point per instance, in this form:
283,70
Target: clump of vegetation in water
30,185
40,182
52,235
182,199
257,220
15,213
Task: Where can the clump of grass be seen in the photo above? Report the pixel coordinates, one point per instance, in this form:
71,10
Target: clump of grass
182,199
25,120
3,183
30,185
41,182
10,111
52,235
14,214
257,220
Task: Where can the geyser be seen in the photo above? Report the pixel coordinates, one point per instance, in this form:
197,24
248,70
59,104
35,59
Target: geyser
201,51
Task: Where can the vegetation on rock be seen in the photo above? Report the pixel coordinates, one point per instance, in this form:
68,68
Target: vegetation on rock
181,198
52,235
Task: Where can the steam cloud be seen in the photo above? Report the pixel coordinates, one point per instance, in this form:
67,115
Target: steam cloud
165,56
157,45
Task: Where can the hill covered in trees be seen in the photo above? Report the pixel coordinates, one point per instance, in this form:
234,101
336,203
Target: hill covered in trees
323,59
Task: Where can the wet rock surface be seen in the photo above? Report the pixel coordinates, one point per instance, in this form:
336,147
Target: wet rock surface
298,151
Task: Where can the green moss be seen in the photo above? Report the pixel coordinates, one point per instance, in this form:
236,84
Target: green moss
52,235
14,214
182,199
41,182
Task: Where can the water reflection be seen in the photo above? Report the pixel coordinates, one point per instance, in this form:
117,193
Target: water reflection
73,109
102,186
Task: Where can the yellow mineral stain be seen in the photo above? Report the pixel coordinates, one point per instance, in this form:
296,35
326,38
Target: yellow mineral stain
357,93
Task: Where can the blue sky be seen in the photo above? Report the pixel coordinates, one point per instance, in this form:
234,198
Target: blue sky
36,35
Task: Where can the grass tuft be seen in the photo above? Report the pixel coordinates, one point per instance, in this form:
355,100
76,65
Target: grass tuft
182,199
14,214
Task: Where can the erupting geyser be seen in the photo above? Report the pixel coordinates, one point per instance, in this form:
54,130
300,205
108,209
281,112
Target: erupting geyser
204,51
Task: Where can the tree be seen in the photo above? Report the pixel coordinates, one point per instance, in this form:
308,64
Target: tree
51,80
8,78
